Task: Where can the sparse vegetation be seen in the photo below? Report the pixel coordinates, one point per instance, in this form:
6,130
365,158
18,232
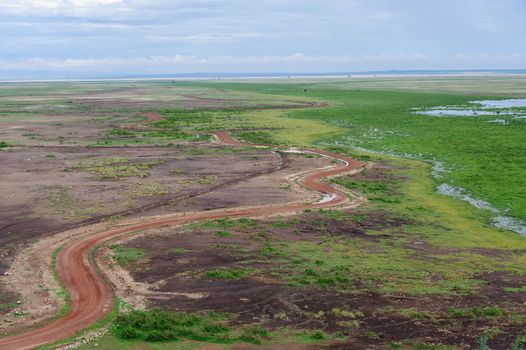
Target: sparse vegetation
146,190
223,234
230,274
117,167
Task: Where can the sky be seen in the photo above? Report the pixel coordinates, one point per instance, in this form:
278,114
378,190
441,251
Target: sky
96,38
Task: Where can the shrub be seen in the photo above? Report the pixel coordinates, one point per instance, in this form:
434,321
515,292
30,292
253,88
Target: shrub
158,325
254,335
223,234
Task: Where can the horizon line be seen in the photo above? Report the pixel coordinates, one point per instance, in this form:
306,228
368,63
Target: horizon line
279,75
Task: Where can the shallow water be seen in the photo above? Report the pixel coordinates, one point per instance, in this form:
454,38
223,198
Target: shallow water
455,113
500,221
499,121
511,103
439,170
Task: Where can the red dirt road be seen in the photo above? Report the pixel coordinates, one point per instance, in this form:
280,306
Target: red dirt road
90,295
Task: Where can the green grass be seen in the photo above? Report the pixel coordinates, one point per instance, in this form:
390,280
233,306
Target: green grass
223,234
481,156
489,312
178,250
255,137
61,291
373,190
126,255
521,289
230,274
157,325
8,306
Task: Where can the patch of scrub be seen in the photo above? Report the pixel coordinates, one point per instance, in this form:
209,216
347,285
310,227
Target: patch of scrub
510,103
500,221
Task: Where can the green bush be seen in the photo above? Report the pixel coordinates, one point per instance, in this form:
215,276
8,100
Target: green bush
256,137
254,335
477,312
158,325
223,234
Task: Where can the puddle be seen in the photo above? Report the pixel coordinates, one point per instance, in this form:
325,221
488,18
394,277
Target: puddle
460,193
499,221
512,103
500,121
512,224
456,113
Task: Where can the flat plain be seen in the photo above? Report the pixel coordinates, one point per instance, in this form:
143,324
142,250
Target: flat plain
409,269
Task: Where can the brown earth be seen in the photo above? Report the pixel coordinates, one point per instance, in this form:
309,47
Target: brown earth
90,296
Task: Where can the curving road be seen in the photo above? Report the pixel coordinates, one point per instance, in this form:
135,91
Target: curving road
91,297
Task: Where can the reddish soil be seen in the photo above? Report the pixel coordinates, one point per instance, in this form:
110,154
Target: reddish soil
153,116
90,296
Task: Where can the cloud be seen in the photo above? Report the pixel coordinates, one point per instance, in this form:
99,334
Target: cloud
181,63
51,7
204,38
263,35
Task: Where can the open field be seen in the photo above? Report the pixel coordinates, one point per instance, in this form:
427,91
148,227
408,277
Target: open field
408,269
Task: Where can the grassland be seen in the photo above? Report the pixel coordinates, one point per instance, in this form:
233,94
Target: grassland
480,156
409,256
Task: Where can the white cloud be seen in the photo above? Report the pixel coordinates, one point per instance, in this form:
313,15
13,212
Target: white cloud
204,38
182,63
50,6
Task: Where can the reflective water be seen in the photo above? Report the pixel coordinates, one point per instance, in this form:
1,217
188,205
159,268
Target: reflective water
511,103
440,112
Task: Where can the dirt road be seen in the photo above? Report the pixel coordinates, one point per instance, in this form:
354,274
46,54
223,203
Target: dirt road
90,295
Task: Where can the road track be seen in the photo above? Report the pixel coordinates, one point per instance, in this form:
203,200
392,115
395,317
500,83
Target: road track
91,298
